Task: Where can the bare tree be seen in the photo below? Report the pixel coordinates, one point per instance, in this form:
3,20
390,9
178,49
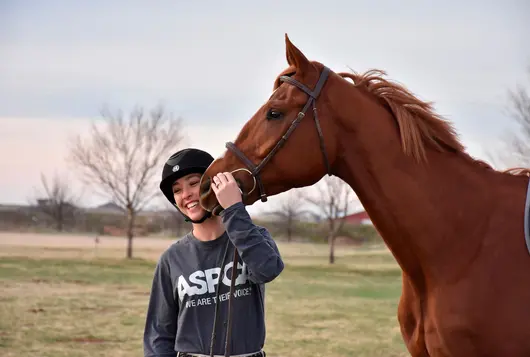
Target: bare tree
57,201
516,151
333,202
289,211
123,157
519,100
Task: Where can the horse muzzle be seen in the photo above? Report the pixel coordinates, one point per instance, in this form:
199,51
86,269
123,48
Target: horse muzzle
208,200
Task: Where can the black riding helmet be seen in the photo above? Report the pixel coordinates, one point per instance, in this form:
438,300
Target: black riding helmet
182,163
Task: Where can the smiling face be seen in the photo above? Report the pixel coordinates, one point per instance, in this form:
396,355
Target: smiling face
186,195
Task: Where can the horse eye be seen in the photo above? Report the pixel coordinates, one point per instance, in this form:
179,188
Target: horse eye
273,114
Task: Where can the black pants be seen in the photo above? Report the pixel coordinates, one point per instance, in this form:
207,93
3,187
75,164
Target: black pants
184,354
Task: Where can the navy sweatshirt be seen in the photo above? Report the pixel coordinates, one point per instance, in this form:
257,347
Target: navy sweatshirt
182,302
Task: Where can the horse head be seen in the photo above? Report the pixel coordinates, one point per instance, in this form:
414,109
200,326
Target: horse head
289,141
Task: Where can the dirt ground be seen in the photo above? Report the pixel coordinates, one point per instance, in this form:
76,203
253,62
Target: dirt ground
78,241
77,246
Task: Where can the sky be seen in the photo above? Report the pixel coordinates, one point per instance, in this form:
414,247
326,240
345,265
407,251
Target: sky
213,63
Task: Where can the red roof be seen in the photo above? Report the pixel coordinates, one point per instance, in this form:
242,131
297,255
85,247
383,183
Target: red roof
357,218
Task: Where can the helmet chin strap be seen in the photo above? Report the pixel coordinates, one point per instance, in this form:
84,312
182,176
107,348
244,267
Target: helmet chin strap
204,218
188,219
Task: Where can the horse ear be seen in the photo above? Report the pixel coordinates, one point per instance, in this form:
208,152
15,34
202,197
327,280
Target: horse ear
295,57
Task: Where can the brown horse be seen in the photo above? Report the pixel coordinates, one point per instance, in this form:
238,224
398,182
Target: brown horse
453,224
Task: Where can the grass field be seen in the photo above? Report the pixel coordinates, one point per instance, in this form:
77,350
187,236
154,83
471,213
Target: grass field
61,297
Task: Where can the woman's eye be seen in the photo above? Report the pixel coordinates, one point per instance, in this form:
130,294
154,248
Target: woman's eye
274,114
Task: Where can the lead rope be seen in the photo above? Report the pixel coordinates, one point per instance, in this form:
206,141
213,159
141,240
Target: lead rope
230,301
216,312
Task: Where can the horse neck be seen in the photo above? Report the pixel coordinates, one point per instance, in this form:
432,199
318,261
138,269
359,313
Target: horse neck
429,214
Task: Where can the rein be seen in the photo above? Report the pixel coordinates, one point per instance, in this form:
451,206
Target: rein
230,302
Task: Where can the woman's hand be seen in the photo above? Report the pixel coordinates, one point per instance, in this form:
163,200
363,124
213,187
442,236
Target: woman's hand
226,189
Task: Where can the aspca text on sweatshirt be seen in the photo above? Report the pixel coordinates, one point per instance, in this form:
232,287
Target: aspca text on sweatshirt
182,302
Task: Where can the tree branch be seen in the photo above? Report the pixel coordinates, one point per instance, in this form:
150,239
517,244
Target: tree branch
122,157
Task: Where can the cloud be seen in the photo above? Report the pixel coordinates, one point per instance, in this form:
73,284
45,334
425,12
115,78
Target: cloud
137,54
214,65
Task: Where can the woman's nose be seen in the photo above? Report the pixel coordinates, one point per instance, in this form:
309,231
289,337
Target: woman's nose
186,192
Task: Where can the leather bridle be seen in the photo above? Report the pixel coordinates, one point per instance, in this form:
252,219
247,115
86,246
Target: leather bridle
255,172
313,95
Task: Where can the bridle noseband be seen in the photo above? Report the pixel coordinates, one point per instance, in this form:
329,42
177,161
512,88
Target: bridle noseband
313,95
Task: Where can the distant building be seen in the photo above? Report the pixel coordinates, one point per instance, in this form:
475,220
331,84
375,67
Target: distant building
107,208
358,218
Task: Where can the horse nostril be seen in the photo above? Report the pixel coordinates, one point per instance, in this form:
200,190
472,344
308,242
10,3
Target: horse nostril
217,210
205,186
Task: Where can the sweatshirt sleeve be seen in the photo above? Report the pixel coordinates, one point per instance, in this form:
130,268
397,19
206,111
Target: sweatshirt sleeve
254,244
162,315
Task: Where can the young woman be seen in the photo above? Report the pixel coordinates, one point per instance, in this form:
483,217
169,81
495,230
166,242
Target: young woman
183,299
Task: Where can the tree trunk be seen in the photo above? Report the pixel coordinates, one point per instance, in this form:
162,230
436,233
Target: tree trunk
331,240
178,228
60,220
60,223
130,233
289,230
